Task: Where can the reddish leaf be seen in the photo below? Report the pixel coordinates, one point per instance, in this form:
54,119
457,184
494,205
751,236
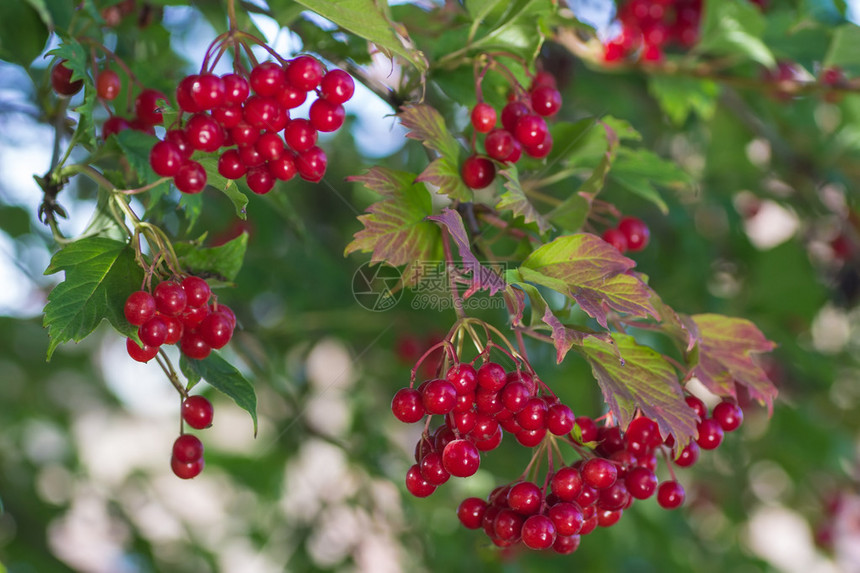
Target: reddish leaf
566,337
395,230
442,173
592,272
482,277
641,379
726,357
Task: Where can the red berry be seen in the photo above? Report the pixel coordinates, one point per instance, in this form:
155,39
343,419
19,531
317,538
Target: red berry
284,167
208,91
113,125
416,484
464,378
216,330
491,376
139,307
599,473
141,354
267,78
187,448
636,232
614,497
559,419
236,89
305,73
300,135
461,458
670,495
478,172
688,456
710,434
432,469
193,316
153,332
337,86
269,146
566,544
108,84
260,180
197,291
250,156
540,150
244,133
290,97
525,497
311,164
193,346
165,158
530,130
197,412
566,483
546,100
514,396
643,433
530,438
174,329
228,116
326,116
483,117
61,80
615,238
226,311
230,165
587,429
512,113
407,405
204,133
146,106
499,144
183,95
641,482
508,525
169,297
191,178
567,518
538,532
439,396
264,113
186,471
533,415
178,138
698,406
729,415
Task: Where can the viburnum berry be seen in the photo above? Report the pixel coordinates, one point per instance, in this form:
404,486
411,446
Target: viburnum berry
61,80
559,419
439,396
641,482
710,434
461,458
228,116
300,134
546,100
587,429
499,144
566,483
283,167
197,291
264,113
670,495
260,180
636,232
688,456
698,406
108,85
511,114
483,117
326,116
266,79
170,298
471,511
305,72
178,138
139,307
186,470
244,134
291,97
204,133
208,91
432,469
191,317
566,544
146,106
540,150
193,346
525,497
407,405
508,525
416,484
337,86
143,353
187,448
599,473
153,332
165,158
250,156
215,330
530,131
478,172
236,89
311,164
183,95
197,411
491,376
113,125
174,329
191,178
538,532
270,146
615,238
729,415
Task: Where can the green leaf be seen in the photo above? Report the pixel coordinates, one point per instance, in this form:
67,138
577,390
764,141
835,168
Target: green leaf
190,374
483,278
591,272
512,27
135,146
726,357
395,230
844,50
427,125
14,220
679,96
103,222
75,55
515,199
370,20
734,28
222,263
224,377
192,206
100,274
23,33
640,170
232,189
641,379
518,289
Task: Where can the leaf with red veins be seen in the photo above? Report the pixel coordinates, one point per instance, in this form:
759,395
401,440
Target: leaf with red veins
427,125
641,379
395,230
483,278
593,273
678,326
726,357
515,199
566,337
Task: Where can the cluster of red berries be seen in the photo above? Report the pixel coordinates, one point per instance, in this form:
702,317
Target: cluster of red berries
246,129
478,405
187,459
178,312
649,26
631,234
523,130
594,491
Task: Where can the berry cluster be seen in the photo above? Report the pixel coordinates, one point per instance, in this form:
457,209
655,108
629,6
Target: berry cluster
178,312
631,234
649,26
478,405
247,120
523,130
187,459
616,466
595,490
